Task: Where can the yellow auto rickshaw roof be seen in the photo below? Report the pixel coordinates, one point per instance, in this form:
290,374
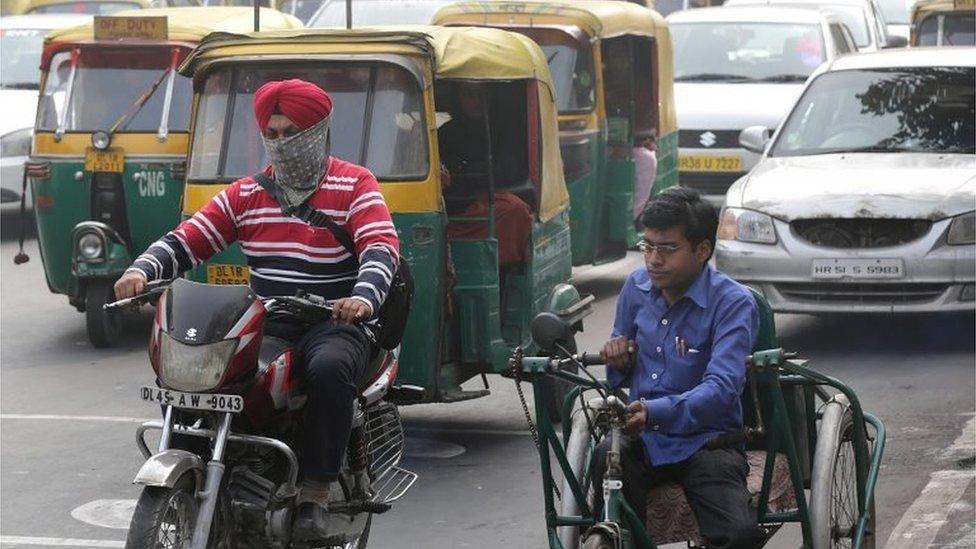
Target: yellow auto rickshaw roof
924,7
598,18
190,24
463,53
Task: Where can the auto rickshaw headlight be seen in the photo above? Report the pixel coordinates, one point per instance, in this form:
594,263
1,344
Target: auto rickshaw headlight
962,230
90,246
101,140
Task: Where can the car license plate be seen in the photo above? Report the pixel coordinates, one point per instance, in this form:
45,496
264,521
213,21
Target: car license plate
109,160
704,163
193,401
227,274
858,268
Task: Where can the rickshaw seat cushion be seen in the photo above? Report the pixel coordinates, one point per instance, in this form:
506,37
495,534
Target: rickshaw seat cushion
671,520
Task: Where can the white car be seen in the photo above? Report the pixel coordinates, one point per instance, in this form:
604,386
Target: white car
377,12
865,199
21,40
741,67
863,17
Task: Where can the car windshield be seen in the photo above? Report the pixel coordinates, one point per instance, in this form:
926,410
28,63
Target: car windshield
929,109
896,11
745,52
958,29
571,64
108,85
21,58
377,119
93,8
378,12
302,9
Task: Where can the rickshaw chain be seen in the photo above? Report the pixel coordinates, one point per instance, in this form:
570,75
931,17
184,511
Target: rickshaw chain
533,432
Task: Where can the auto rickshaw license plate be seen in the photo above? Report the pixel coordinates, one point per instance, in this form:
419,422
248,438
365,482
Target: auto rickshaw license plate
703,163
109,160
193,401
227,274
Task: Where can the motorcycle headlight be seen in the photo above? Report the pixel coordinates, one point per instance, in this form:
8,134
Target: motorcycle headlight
746,226
91,246
101,140
193,367
16,143
962,230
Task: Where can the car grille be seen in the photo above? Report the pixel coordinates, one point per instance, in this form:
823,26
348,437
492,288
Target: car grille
860,233
709,183
863,293
718,139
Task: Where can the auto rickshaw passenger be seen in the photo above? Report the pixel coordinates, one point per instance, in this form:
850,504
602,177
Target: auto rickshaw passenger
680,340
294,118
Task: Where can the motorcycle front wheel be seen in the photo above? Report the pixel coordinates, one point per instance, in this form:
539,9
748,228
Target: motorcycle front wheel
164,517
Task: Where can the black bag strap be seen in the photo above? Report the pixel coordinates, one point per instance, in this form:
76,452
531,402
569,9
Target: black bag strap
310,215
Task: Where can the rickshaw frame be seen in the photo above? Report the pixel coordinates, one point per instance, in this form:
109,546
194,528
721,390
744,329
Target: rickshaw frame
776,373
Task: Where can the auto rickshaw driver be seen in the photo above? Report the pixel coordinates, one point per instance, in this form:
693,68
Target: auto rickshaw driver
682,334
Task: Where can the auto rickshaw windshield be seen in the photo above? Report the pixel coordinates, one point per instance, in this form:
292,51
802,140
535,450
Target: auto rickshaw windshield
21,57
377,119
571,64
92,8
957,29
108,83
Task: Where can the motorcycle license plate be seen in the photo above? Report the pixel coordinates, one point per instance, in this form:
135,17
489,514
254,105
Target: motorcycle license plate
227,274
704,163
193,401
109,160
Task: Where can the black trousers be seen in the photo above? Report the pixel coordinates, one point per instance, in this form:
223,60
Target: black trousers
335,359
714,482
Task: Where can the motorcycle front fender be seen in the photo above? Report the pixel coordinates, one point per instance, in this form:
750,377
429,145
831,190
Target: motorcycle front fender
165,469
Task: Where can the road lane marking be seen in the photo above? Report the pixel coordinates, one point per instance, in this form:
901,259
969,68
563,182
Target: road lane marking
116,419
107,513
922,521
59,542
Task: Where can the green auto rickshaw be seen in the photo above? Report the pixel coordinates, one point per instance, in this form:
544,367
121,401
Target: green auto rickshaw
612,66
109,148
392,88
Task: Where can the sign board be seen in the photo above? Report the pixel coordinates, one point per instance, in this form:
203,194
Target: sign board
130,28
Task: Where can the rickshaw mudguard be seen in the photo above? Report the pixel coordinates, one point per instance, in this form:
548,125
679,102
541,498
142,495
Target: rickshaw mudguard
565,301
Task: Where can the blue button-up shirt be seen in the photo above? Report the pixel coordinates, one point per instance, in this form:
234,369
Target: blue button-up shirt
690,366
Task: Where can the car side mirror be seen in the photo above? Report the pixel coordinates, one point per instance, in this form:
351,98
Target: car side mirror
896,41
754,139
548,330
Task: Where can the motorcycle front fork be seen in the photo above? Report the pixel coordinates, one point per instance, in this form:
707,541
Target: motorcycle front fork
213,476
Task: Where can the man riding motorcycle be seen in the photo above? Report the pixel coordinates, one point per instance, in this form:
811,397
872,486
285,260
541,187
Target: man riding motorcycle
285,253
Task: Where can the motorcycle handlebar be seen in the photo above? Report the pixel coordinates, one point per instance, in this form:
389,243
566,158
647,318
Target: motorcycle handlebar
152,290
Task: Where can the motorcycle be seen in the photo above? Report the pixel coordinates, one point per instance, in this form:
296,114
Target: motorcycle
225,474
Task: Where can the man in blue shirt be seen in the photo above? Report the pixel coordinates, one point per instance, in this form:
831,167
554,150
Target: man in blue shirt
680,340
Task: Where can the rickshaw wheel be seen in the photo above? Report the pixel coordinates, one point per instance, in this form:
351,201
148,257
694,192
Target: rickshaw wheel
833,487
104,328
598,540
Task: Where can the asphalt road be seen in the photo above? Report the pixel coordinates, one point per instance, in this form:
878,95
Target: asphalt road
68,414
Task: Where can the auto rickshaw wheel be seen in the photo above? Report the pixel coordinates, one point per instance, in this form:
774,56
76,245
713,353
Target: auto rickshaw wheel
833,487
104,327
598,540
554,390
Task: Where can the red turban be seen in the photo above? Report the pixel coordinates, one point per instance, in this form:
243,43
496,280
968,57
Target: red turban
302,102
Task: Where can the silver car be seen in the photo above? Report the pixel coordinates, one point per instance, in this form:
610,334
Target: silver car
864,199
739,67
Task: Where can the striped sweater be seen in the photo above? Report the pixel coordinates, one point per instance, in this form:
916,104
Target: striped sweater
284,253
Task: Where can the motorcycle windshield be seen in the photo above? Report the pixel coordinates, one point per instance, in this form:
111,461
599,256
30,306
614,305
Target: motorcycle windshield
197,313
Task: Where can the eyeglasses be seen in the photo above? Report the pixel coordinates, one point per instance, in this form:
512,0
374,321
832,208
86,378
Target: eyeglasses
663,250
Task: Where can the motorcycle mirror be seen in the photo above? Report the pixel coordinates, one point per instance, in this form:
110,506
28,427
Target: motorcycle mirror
548,330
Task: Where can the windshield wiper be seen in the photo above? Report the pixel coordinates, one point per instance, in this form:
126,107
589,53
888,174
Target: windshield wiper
123,121
876,148
784,78
712,77
551,57
19,86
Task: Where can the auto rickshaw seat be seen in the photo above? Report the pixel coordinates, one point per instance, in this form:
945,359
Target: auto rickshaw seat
669,516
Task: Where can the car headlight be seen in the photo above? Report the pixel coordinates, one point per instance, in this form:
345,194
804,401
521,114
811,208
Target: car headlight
91,246
746,226
193,367
101,140
962,230
16,143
